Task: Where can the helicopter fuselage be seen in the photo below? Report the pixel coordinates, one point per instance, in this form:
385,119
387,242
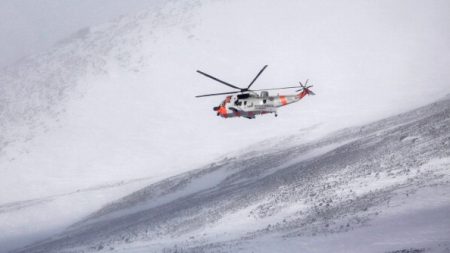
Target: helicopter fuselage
250,104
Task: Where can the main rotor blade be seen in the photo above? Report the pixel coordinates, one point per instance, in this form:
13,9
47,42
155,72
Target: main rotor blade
281,88
304,85
256,77
218,80
217,94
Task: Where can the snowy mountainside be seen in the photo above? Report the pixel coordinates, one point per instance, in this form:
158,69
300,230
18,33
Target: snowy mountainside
115,101
25,222
381,187
63,116
80,114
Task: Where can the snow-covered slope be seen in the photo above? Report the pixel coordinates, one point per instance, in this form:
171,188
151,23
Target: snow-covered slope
25,222
381,187
116,101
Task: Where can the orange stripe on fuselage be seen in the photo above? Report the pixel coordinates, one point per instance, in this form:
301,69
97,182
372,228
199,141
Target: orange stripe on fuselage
223,111
283,100
223,107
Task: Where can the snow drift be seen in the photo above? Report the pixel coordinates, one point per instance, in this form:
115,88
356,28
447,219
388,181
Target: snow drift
380,187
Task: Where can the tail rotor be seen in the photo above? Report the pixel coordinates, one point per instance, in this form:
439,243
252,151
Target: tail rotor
305,87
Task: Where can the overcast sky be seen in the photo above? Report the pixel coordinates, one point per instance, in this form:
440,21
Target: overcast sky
31,26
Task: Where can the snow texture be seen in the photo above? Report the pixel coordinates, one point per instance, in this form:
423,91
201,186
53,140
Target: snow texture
381,187
116,101
111,109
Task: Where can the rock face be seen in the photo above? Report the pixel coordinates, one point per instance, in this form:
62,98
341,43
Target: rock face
379,187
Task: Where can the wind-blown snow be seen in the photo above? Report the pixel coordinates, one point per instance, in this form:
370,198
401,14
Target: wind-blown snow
29,27
24,222
357,190
116,101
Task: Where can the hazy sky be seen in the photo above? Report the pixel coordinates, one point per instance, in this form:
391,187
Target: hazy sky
31,26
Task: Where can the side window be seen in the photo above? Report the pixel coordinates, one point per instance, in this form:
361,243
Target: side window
245,102
264,101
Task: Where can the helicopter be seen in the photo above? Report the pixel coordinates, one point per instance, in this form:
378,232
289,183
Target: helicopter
248,103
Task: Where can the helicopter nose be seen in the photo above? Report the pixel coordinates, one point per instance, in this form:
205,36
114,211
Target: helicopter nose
216,108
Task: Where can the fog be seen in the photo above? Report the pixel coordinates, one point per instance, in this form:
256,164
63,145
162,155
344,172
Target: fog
117,101
366,59
31,26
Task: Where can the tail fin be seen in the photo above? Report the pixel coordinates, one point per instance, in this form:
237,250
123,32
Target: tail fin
305,91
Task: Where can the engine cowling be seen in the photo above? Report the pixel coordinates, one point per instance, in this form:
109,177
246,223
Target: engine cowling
264,94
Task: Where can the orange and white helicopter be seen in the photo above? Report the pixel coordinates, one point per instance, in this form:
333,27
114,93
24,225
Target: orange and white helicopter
248,103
